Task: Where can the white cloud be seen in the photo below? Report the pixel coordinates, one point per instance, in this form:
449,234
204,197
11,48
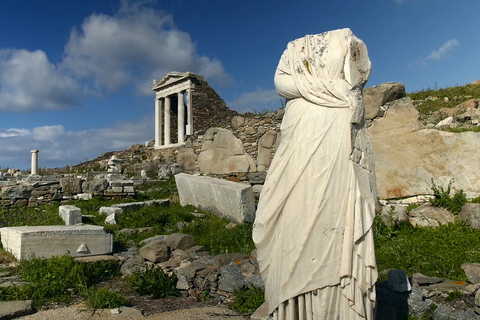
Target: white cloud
59,147
257,101
10,133
28,81
132,47
49,133
443,50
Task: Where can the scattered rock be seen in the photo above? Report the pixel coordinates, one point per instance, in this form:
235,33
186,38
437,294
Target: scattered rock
428,216
472,271
471,213
14,309
179,241
155,251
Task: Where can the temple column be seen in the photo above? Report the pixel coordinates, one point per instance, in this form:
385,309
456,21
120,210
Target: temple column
158,122
189,113
34,161
167,121
181,118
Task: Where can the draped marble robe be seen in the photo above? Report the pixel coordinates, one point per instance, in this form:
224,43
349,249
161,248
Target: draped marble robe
313,227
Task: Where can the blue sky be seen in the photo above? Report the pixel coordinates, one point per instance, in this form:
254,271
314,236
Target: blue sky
75,76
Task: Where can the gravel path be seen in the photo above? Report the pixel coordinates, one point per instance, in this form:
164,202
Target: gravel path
80,312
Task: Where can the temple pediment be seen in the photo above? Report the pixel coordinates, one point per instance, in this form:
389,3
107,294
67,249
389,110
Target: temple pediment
174,78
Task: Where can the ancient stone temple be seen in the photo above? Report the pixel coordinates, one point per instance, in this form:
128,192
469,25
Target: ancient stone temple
184,101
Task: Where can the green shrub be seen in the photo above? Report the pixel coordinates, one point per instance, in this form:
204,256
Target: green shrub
211,233
154,282
57,278
443,199
102,298
25,216
247,299
436,252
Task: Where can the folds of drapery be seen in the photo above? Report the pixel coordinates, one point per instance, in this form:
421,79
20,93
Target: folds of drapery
314,220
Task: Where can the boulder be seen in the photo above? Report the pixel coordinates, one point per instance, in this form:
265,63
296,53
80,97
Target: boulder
394,214
71,185
15,309
155,251
428,216
472,271
377,96
16,192
471,213
166,170
407,156
97,185
223,153
179,241
231,278
131,265
186,159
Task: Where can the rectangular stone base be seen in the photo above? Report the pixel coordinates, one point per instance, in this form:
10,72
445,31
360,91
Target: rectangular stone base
225,199
47,241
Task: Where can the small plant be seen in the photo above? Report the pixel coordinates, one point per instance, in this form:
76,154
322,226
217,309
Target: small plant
154,282
102,298
248,299
443,199
453,295
412,206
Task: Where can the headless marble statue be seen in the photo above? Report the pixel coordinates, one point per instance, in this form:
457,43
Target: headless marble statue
314,224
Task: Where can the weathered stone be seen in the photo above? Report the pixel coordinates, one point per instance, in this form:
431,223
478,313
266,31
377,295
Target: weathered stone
471,213
257,177
377,96
428,216
71,185
16,192
225,199
398,281
419,279
166,170
444,312
417,306
15,309
180,241
231,278
110,210
47,241
70,214
145,241
393,214
85,196
227,258
265,145
132,264
186,159
97,185
424,153
111,219
223,153
472,271
182,282
237,121
155,251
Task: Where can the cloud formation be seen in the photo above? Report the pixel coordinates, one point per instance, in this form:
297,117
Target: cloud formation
107,53
59,147
443,50
257,101
28,81
132,47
